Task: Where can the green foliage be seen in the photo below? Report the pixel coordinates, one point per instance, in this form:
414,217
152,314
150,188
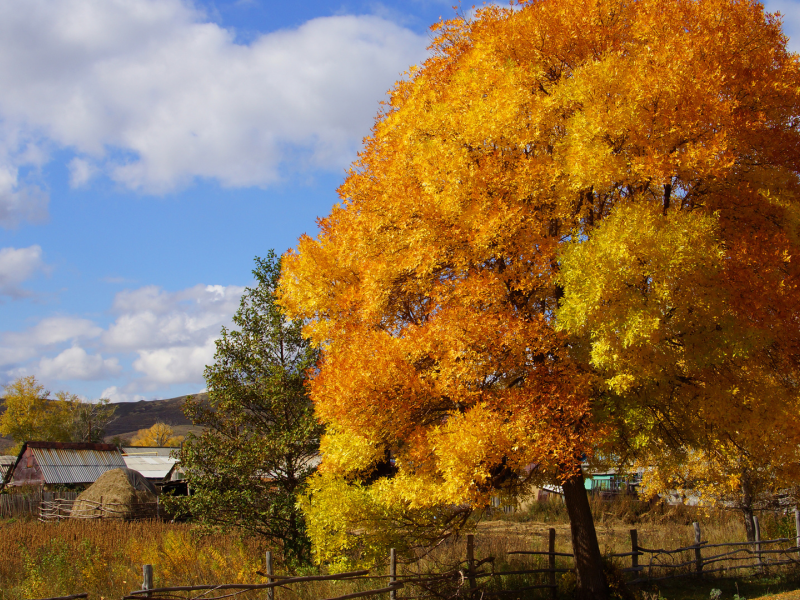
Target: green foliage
261,438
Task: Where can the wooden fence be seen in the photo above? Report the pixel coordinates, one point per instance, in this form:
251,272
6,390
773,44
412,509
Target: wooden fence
29,504
478,578
60,508
691,560
474,578
55,506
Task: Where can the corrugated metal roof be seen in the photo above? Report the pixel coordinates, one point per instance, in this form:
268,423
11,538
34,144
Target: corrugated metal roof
152,467
6,462
150,450
69,465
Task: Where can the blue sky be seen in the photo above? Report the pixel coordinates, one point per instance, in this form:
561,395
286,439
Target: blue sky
149,149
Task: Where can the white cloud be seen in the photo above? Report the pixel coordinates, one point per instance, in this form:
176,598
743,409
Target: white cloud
16,266
151,318
51,331
167,336
80,172
115,395
178,364
154,95
19,201
172,333
76,363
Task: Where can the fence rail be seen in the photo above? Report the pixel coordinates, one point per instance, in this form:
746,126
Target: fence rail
745,555
56,510
473,577
22,505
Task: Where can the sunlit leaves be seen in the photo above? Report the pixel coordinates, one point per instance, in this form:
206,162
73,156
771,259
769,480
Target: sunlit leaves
573,227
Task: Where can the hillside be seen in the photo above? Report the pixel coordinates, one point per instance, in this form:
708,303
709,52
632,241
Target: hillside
130,417
133,416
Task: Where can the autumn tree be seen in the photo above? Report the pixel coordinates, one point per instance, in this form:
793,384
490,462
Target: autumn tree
260,439
90,420
31,415
159,434
574,227
727,474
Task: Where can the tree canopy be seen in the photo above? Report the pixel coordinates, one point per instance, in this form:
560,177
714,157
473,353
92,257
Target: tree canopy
31,415
159,434
575,227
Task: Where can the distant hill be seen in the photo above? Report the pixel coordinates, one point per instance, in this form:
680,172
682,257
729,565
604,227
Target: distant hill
130,417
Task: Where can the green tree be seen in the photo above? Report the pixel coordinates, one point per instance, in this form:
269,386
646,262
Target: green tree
260,437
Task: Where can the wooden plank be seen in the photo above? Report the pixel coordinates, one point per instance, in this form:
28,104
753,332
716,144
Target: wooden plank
73,597
396,586
252,586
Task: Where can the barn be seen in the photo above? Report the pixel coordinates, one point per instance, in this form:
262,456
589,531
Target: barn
51,464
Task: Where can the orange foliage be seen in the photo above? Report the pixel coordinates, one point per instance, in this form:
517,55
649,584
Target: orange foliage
577,223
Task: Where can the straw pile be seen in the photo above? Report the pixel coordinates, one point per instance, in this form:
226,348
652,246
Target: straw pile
117,494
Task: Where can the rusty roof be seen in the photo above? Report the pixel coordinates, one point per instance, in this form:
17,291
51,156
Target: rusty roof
72,446
68,464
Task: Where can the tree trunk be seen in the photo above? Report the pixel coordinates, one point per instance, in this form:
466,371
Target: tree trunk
591,580
747,508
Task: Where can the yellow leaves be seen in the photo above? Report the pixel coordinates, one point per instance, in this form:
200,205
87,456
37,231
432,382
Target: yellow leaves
574,221
647,289
345,452
160,434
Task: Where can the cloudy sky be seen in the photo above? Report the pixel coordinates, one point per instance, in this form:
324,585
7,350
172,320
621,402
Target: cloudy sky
149,149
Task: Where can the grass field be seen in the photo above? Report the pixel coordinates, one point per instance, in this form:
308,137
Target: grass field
105,558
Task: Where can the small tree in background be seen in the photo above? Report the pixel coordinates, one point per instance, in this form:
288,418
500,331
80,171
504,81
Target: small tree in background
261,437
31,415
160,434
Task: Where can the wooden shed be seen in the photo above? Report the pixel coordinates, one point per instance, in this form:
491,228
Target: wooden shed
48,464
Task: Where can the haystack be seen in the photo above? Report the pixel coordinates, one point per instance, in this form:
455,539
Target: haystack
117,494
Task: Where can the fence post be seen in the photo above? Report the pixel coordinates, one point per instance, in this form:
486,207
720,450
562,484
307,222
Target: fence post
757,528
797,528
551,563
634,551
471,562
392,572
147,572
270,591
698,553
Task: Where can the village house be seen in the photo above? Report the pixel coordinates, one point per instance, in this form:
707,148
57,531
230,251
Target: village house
51,464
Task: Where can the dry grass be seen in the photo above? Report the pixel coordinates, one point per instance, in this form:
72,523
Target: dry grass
105,558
